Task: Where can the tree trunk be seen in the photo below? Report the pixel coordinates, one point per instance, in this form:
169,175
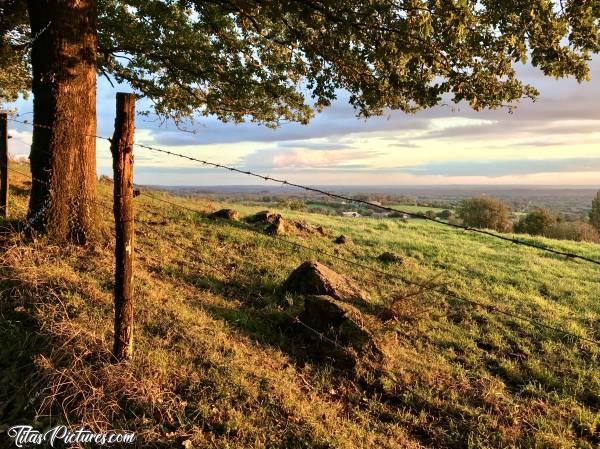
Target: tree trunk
63,152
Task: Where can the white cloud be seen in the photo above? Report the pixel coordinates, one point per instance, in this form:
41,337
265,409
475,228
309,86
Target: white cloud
563,123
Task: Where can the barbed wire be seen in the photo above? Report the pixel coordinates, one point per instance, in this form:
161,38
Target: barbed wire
381,207
322,336
49,127
516,241
290,242
439,289
296,319
108,207
28,222
442,291
184,248
33,39
435,289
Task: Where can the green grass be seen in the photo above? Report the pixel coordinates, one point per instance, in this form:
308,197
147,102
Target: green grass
219,362
416,209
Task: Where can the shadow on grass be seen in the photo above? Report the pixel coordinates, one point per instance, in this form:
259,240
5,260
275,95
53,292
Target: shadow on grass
22,342
274,326
9,226
448,423
19,191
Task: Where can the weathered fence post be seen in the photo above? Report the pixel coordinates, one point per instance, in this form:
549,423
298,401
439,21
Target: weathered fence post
3,164
122,152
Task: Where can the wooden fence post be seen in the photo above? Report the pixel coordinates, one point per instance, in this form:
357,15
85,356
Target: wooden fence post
3,164
122,152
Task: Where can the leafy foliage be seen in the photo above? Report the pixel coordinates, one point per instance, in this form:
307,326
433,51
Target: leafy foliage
293,204
485,212
574,230
543,222
282,60
536,222
595,212
445,214
15,74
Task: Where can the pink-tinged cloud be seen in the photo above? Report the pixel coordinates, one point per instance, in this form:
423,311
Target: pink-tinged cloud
302,158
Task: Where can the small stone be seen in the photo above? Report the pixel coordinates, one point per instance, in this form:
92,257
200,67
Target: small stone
265,216
341,240
306,228
389,257
226,214
278,226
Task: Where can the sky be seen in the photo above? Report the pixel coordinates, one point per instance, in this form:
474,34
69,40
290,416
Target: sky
552,141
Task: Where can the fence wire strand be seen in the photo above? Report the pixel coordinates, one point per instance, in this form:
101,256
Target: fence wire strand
516,241
436,289
439,289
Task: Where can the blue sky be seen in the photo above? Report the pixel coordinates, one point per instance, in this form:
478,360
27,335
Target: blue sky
553,141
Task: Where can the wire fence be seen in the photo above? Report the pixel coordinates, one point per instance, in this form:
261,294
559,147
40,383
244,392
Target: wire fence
440,289
513,240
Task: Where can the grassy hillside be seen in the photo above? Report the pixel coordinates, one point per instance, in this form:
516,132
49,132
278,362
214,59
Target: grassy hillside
220,363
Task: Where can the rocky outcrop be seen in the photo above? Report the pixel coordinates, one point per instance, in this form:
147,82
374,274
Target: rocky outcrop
314,278
277,225
339,329
226,214
264,217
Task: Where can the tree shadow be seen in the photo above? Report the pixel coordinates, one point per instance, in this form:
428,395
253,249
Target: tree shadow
23,341
19,191
9,226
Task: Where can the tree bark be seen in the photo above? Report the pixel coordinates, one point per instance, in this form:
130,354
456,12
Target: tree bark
63,152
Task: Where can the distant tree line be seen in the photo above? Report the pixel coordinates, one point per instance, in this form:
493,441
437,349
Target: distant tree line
478,212
491,213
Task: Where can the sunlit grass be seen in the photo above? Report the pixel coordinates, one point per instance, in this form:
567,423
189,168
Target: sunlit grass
219,362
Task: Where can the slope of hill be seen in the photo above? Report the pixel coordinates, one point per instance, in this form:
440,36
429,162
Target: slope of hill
220,363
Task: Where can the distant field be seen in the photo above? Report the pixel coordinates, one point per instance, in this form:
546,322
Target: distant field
220,364
404,207
320,206
415,209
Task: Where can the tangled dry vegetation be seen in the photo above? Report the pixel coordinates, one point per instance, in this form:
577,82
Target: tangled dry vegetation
221,362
